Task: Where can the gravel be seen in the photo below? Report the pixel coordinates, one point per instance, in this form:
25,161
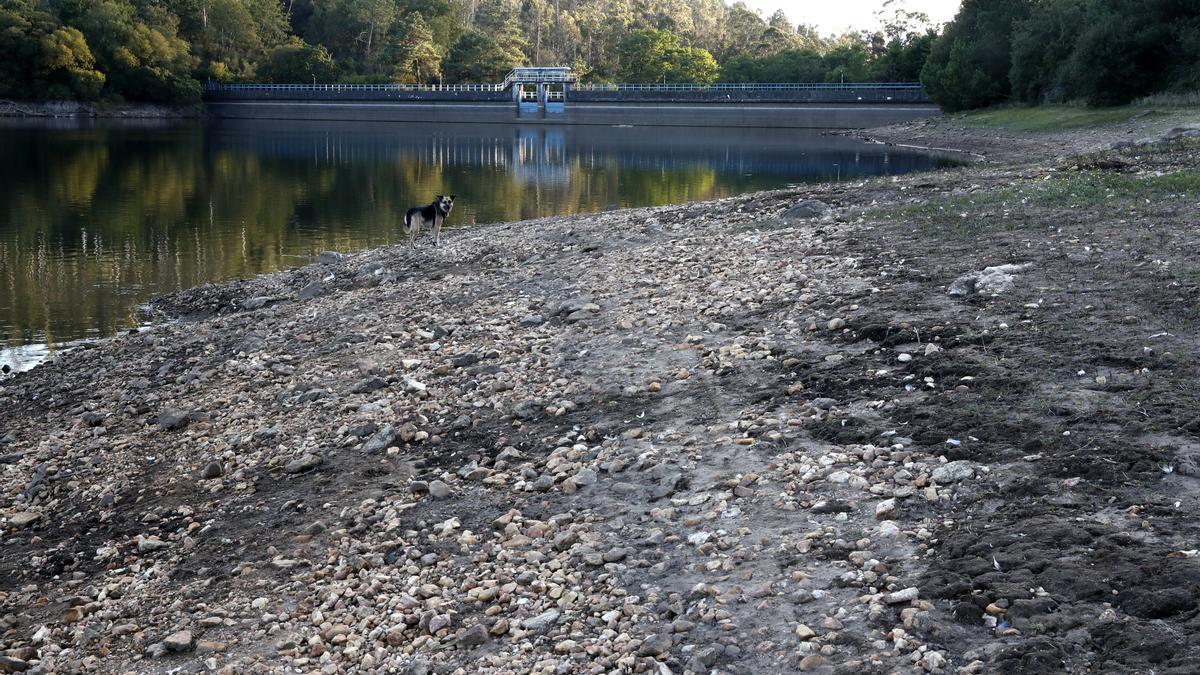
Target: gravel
604,443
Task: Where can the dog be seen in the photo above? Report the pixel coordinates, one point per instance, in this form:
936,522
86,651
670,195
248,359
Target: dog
433,215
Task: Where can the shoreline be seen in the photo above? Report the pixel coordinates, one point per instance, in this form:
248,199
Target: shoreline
721,435
77,109
1004,146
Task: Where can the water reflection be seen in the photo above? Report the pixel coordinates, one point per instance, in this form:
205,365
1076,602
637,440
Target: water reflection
95,219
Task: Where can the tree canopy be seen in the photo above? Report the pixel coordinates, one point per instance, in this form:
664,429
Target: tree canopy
1102,52
162,50
1098,51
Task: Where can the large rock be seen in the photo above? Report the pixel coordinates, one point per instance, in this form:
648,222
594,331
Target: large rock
11,664
23,518
311,291
306,462
996,280
212,470
382,439
953,472
257,302
179,642
809,208
173,420
541,621
1181,132
474,636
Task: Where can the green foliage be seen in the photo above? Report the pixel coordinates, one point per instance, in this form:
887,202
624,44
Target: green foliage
478,57
298,61
651,55
40,59
1103,52
968,64
417,60
137,48
790,65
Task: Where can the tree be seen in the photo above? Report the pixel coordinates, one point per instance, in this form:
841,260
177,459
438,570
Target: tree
743,30
1105,52
969,64
1125,52
417,60
847,62
141,54
477,57
499,19
297,61
650,55
376,18
445,19
1041,51
40,59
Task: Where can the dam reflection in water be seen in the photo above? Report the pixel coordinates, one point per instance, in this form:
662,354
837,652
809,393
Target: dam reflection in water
95,219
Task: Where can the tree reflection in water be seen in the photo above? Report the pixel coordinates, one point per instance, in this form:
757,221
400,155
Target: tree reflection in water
96,219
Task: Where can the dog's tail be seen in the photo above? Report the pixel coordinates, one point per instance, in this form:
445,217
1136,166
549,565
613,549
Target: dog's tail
407,223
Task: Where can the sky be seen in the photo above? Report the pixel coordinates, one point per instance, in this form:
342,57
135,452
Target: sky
834,16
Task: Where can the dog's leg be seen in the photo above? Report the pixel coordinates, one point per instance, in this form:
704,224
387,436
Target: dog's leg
437,229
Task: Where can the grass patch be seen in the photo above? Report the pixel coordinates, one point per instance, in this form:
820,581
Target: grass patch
1011,208
1177,100
1049,117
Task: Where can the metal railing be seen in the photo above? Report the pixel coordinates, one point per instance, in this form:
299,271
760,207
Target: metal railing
537,75
771,86
219,86
512,79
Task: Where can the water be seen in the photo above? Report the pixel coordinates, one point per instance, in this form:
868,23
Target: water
96,218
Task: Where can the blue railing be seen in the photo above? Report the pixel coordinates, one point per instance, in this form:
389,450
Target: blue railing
773,86
219,86
751,86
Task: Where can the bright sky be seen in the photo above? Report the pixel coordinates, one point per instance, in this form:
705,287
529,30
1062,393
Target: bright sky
834,16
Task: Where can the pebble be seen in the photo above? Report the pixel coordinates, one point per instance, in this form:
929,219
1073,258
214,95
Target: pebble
180,641
811,662
906,595
953,472
439,490
23,519
597,499
306,462
474,636
541,621
211,470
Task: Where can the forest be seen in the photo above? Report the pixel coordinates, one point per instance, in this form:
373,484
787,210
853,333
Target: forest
163,50
1101,52
1098,52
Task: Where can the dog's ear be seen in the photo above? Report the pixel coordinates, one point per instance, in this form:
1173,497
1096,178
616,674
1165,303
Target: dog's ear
438,197
453,196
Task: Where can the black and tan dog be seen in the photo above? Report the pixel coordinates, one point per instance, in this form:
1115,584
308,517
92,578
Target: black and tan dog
433,215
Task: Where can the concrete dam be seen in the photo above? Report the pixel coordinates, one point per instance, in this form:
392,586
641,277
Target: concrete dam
551,96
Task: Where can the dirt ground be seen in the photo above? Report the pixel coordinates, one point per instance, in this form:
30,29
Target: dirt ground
986,143
720,437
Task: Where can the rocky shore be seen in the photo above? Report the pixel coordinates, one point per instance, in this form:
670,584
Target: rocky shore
935,423
76,109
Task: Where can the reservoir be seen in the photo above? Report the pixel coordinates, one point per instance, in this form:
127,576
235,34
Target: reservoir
97,217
